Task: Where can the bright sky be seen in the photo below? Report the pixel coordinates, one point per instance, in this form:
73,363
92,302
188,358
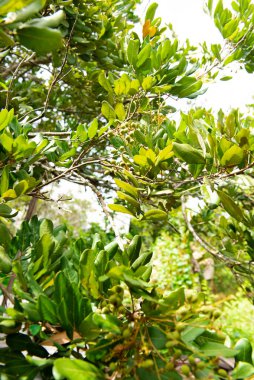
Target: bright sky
190,21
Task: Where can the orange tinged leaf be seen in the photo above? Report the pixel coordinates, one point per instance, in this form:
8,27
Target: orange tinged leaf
152,31
146,28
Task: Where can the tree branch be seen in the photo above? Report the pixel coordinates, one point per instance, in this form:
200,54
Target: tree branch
216,254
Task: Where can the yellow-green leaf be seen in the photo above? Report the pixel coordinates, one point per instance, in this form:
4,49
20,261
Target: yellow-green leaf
92,130
21,187
233,156
4,185
155,214
165,154
120,208
188,154
108,111
120,111
230,206
104,82
147,83
127,187
140,160
128,198
9,194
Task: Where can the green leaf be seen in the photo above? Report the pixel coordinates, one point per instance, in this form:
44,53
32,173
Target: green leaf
142,260
104,82
71,369
147,83
7,142
128,198
216,49
5,236
51,21
245,350
242,371
127,187
46,227
175,299
226,78
5,40
155,214
150,13
5,262
134,248
4,184
140,160
166,47
107,323
120,208
134,87
165,154
140,137
35,329
190,333
217,349
47,309
108,111
68,154
186,87
5,211
230,206
23,8
158,337
92,130
3,119
40,40
9,195
18,341
230,28
188,154
120,111
132,51
21,187
233,156
143,55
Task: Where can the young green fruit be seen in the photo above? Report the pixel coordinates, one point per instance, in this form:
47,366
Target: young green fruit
170,366
146,363
185,369
223,373
200,365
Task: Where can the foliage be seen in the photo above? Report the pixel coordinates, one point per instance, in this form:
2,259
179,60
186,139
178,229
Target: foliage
173,259
86,99
236,318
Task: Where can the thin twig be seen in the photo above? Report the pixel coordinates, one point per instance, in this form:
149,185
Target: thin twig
105,210
218,255
58,76
6,294
63,174
12,80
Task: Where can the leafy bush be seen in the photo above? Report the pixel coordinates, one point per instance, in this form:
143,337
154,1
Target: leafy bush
86,101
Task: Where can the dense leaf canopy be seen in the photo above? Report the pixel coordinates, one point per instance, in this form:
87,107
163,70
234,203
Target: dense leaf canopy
86,98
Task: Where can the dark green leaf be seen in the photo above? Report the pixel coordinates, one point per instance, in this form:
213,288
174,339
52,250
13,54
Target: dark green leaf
157,336
40,40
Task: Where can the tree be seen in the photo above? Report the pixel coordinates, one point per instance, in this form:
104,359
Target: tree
86,100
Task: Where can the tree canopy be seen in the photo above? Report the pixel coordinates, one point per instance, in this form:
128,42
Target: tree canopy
86,99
